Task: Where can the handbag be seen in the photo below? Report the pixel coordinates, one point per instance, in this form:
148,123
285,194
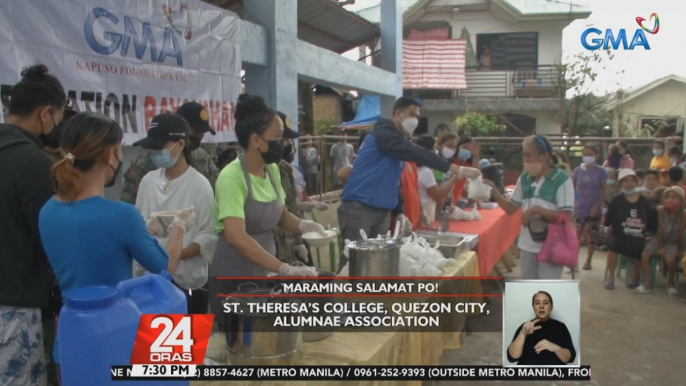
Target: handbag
561,247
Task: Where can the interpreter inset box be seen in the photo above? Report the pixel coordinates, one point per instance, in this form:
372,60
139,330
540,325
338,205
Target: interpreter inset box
541,323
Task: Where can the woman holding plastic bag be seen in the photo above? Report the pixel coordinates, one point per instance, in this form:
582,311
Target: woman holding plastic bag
177,185
546,196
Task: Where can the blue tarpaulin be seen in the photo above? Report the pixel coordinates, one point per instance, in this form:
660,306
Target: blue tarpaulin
368,112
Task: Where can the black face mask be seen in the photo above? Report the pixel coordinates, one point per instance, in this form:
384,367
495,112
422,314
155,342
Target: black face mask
194,142
274,153
53,139
46,139
111,182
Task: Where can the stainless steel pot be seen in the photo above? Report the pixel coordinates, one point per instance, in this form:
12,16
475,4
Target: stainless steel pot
324,277
251,338
374,257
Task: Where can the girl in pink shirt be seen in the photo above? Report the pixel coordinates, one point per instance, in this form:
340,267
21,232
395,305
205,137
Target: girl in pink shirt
627,161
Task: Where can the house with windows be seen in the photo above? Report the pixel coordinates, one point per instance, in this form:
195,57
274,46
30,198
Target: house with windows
656,109
496,57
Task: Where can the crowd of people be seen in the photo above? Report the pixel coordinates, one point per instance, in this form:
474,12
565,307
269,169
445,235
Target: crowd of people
244,217
634,213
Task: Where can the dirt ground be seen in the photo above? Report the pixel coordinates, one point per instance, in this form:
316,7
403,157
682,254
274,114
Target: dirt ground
627,339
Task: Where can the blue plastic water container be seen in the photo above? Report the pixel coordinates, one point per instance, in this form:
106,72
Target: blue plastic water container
98,325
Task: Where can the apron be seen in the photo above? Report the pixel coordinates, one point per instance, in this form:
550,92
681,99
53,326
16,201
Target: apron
260,220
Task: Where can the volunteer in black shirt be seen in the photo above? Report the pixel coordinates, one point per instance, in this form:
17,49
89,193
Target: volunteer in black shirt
542,341
632,219
36,106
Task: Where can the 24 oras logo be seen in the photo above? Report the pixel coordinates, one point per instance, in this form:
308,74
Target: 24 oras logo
172,339
639,38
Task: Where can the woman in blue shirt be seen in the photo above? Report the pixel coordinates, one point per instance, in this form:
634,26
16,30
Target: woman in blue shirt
89,239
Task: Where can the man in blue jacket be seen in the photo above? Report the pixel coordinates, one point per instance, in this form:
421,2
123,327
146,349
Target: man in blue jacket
372,192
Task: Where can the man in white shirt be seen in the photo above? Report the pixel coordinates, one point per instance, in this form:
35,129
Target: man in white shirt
309,161
342,154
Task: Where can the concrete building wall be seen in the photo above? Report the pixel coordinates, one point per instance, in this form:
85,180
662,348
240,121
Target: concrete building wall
549,32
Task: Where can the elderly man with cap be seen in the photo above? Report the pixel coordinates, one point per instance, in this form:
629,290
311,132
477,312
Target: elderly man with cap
177,185
198,118
288,245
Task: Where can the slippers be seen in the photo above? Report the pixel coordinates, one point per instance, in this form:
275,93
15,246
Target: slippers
609,285
587,267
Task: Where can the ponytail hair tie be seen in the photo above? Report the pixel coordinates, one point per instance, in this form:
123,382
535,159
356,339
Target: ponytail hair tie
69,157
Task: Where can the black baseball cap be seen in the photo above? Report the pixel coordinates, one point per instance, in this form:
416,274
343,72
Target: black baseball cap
288,132
197,116
164,128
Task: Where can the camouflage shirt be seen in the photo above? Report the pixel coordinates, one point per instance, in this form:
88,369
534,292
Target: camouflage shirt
143,164
285,240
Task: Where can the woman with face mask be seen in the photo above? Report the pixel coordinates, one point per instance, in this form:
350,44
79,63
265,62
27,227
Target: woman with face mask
542,341
467,155
590,184
446,146
431,194
250,204
28,296
90,240
198,118
543,192
176,185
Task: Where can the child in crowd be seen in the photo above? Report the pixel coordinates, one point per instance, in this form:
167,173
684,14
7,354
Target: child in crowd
631,220
590,181
651,187
669,242
640,174
614,157
611,191
677,157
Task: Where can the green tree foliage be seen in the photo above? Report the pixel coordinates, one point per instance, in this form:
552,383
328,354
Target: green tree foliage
476,124
584,113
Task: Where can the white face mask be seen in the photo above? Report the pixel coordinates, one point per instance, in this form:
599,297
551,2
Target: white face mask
409,124
447,153
589,160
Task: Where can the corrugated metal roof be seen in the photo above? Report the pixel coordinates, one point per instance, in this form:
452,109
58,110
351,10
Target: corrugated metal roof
323,23
521,7
373,12
537,7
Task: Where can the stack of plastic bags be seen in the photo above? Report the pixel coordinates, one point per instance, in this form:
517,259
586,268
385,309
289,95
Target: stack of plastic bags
463,215
418,258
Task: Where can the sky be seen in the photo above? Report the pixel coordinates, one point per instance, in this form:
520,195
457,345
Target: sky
668,48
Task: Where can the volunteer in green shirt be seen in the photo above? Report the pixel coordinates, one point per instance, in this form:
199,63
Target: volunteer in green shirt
250,204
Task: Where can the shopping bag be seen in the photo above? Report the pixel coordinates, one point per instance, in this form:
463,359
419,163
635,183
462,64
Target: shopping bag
561,246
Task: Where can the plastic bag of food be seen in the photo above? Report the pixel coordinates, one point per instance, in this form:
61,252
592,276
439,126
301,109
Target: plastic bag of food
461,215
478,191
476,216
430,270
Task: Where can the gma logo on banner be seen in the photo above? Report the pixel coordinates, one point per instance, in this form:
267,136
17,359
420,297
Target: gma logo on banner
621,39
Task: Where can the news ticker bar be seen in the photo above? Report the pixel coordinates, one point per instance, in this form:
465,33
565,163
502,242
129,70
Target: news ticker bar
348,373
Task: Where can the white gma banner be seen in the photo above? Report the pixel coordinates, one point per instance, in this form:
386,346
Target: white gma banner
128,59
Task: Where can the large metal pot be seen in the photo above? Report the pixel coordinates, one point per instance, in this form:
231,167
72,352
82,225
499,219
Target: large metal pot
374,257
324,277
251,338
